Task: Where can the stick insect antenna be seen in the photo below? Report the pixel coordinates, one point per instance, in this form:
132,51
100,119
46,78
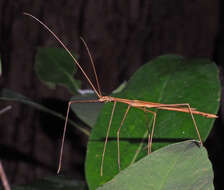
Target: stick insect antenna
93,66
69,52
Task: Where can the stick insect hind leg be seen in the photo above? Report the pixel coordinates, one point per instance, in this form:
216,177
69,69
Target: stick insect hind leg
65,127
188,107
169,107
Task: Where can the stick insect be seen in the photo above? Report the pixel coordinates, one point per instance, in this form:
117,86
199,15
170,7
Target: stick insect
138,104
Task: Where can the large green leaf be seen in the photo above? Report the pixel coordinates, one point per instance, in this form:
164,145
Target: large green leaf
167,79
178,166
55,66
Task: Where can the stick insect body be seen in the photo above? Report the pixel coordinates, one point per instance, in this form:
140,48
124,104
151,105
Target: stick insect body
142,105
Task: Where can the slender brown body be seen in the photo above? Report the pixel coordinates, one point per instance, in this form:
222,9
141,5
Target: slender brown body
144,104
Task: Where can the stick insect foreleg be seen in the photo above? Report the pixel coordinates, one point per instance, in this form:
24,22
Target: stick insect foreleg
65,127
107,135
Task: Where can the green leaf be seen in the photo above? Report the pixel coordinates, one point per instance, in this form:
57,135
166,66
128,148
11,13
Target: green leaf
178,166
9,95
168,79
54,66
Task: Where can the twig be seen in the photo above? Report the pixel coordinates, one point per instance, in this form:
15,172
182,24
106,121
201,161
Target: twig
5,109
3,178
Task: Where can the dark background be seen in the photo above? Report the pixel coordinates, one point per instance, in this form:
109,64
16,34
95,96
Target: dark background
122,35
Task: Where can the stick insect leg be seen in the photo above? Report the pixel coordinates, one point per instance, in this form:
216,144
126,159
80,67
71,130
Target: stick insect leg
147,124
192,116
118,135
107,135
153,127
152,132
65,127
